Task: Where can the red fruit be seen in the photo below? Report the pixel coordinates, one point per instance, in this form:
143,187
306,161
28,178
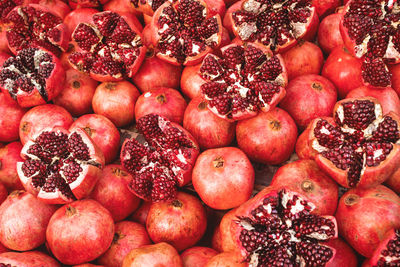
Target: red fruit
60,166
64,56
269,137
128,236
28,259
88,265
3,249
161,164
121,6
116,101
23,221
80,232
395,71
3,193
112,192
216,243
181,222
140,215
110,48
41,117
394,181
227,242
103,133
222,173
365,215
304,58
387,253
208,129
329,36
304,177
161,254
76,97
11,115
226,259
3,56
325,7
308,97
3,39
345,255
191,81
287,218
79,4
166,102
9,156
197,256
76,16
59,7
33,77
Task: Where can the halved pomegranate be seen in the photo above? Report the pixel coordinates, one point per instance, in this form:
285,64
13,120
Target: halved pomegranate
160,160
388,251
60,166
110,48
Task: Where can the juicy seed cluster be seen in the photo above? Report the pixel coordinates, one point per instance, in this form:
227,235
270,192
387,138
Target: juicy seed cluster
376,73
154,4
7,5
390,257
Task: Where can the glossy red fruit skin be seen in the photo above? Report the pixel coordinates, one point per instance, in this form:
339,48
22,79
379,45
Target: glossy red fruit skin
180,223
308,97
11,115
365,215
128,235
57,6
140,215
80,232
28,259
3,193
216,243
9,156
103,133
122,6
325,7
41,117
3,55
197,256
269,137
166,102
79,4
88,265
226,237
329,36
221,173
77,16
304,177
3,40
226,259
116,101
393,182
23,221
345,255
191,81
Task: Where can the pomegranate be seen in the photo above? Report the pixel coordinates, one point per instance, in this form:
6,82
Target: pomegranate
345,255
180,222
103,133
59,7
216,243
76,16
112,192
387,253
88,265
191,81
365,215
395,70
23,221
110,47
116,101
76,97
128,236
393,182
64,56
208,129
3,193
325,7
41,117
60,166
3,248
227,241
161,254
279,227
33,77
80,232
197,256
163,162
79,4
226,259
221,173
305,177
140,215
166,102
121,6
329,36
309,97
269,137
304,58
27,259
3,56
11,115
3,39
9,156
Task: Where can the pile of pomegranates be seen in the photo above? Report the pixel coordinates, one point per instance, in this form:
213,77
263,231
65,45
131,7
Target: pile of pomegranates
199,133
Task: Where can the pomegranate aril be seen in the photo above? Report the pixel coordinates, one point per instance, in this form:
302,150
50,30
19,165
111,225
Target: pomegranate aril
375,72
390,256
387,130
328,135
357,114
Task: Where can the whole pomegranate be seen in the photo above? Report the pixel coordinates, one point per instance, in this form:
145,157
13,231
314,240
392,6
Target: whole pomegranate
269,137
11,115
27,259
180,222
197,256
140,215
387,253
226,259
329,36
9,156
23,221
80,232
221,173
191,81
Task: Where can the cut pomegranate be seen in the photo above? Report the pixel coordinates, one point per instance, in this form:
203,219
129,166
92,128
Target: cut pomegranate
27,259
60,166
33,77
246,80
111,47
388,251
77,4
163,162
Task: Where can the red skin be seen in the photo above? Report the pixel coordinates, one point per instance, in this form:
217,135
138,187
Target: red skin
76,16
88,265
3,193
309,97
345,256
329,36
23,221
112,192
41,117
304,177
76,97
11,115
325,7
393,182
116,101
304,58
395,71
122,6
56,6
389,236
3,57
9,156
365,215
140,215
3,248
166,102
226,259
197,256
3,40
64,56
180,223
80,232
227,242
157,255
216,242
221,173
208,129
343,70
128,236
267,138
191,81
28,259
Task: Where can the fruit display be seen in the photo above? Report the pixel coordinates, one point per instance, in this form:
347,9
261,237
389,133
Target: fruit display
199,133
